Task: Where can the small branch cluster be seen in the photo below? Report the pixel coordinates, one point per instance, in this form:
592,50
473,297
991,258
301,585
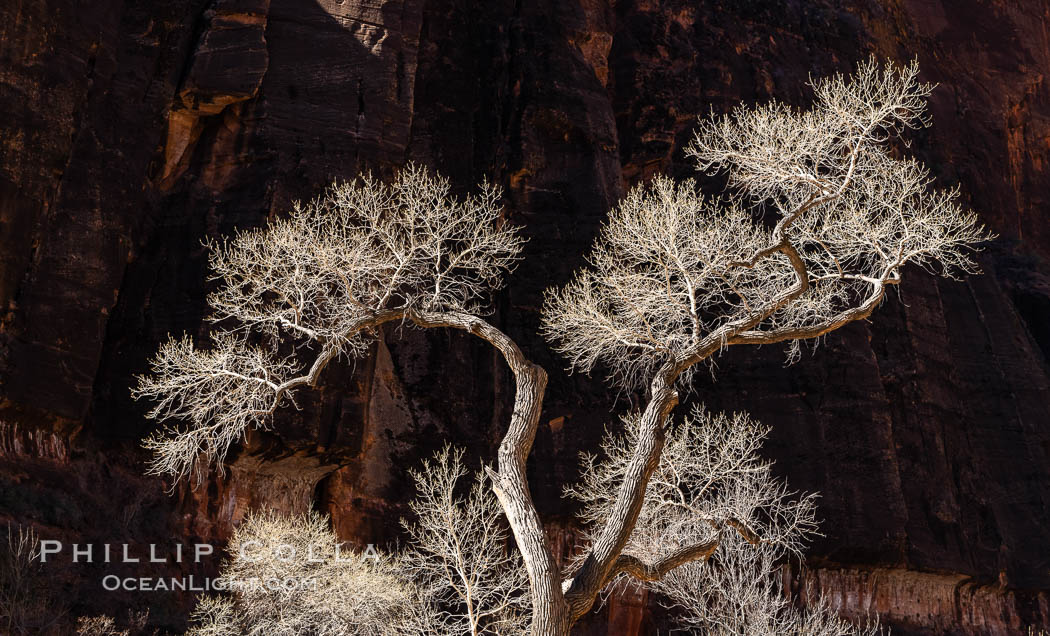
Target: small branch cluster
291,576
27,604
459,553
660,279
774,151
361,248
219,392
107,626
739,592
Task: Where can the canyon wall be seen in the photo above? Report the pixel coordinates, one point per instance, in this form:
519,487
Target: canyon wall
133,130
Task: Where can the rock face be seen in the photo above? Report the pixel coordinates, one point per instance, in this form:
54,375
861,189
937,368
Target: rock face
134,130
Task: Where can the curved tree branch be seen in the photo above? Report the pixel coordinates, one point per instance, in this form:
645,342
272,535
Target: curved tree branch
646,571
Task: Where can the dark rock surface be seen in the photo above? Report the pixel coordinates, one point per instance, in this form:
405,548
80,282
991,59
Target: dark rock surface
133,130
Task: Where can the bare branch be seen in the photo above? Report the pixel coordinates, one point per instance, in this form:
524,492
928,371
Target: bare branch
739,592
361,255
846,207
644,571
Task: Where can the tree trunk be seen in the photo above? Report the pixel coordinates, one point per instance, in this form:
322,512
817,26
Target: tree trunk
550,612
595,571
550,615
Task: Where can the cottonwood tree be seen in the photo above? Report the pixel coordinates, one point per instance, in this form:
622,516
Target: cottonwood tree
820,221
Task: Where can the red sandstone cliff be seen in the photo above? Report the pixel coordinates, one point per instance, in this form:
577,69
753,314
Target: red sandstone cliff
130,131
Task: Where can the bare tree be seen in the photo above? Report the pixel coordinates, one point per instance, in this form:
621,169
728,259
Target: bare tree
459,553
18,565
820,221
27,602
